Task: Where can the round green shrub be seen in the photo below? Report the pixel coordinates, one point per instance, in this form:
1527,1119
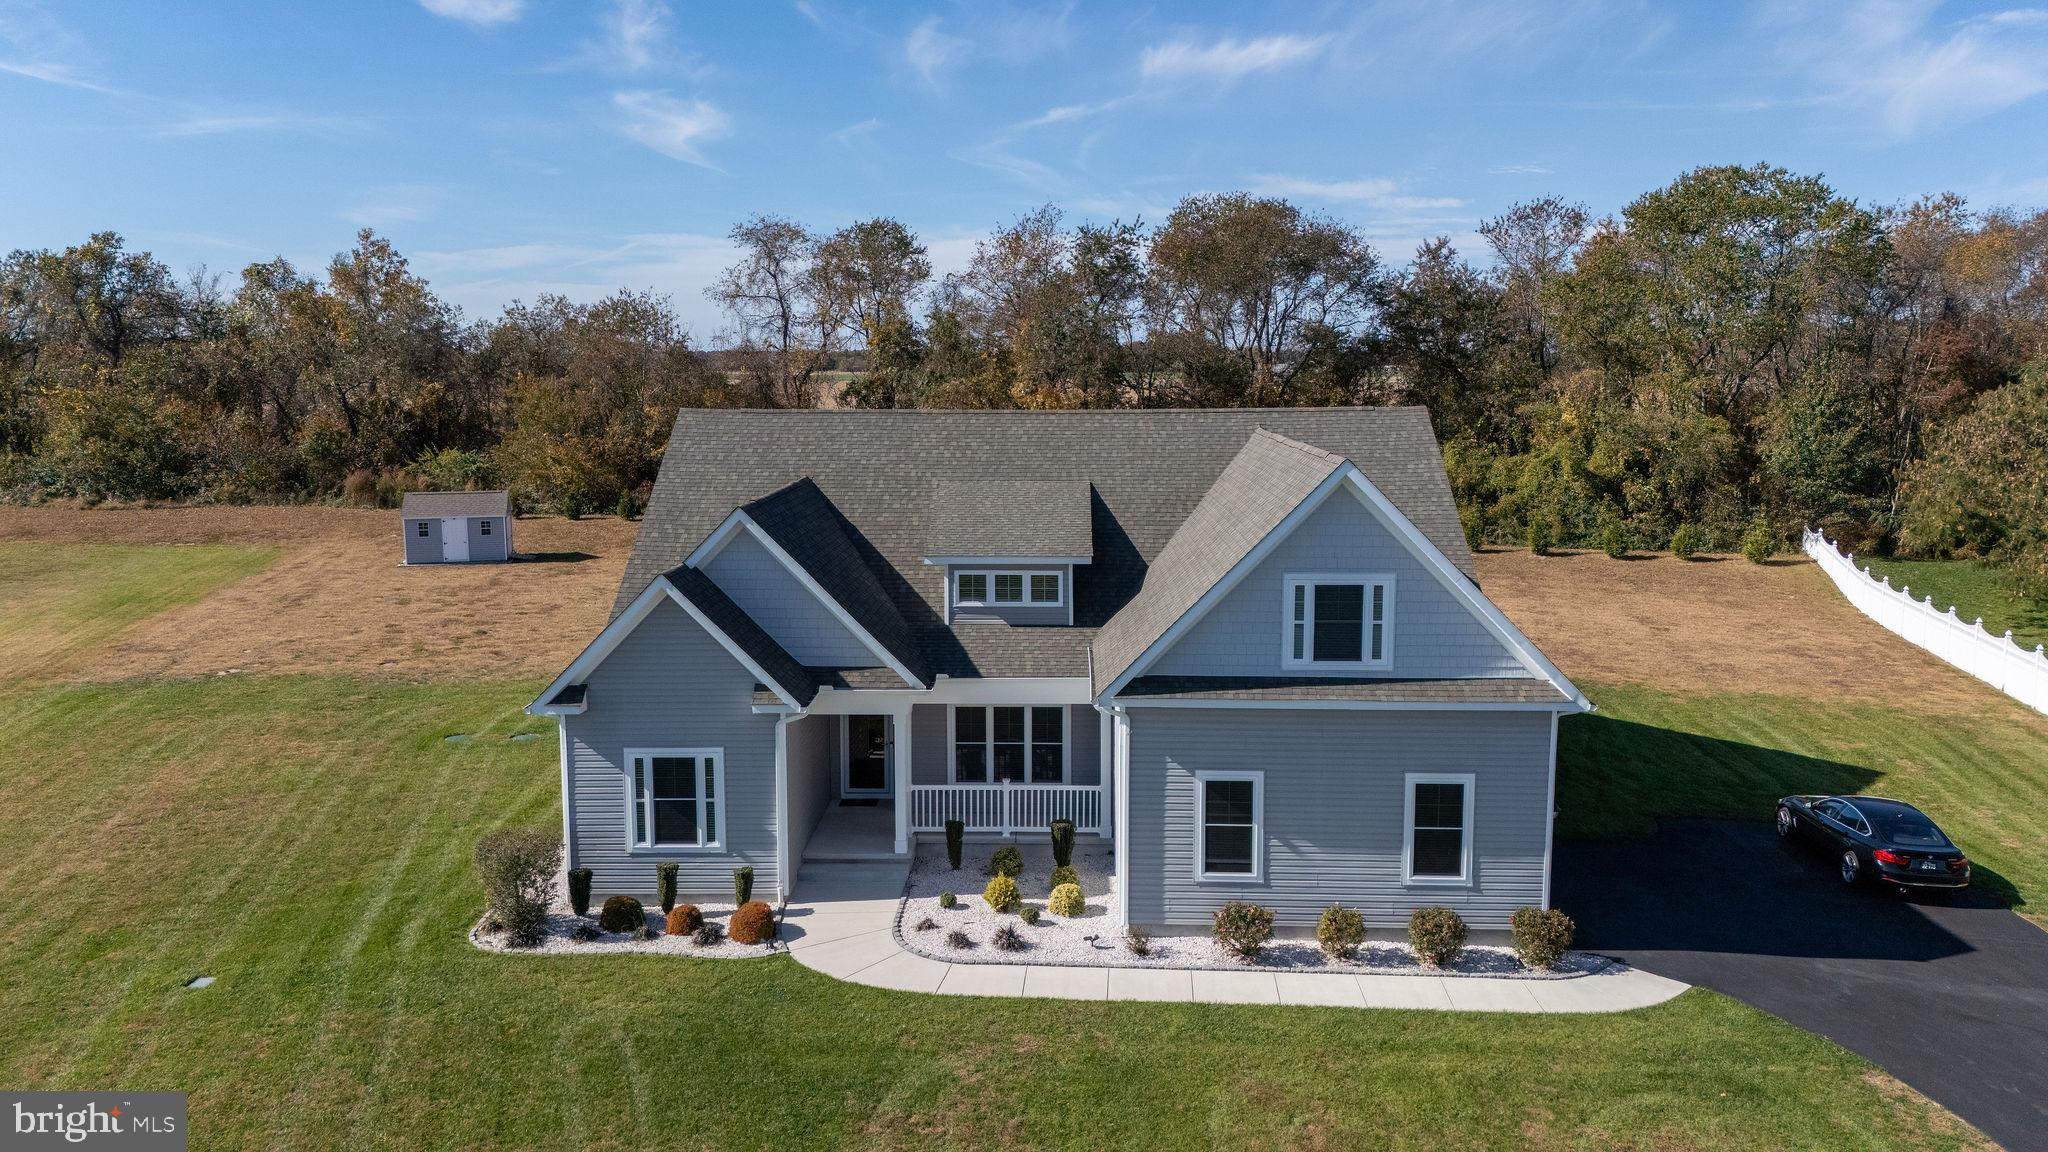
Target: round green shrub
1688,541
1340,932
1006,861
1542,936
621,914
1242,929
1437,935
1028,913
1066,901
1065,875
1001,894
1759,544
948,900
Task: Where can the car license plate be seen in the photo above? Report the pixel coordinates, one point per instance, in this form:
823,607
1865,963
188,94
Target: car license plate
1928,865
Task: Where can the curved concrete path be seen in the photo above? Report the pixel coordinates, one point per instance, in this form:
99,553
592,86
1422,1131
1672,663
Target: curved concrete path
841,921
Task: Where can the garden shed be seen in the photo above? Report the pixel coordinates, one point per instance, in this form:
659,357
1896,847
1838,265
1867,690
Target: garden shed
457,527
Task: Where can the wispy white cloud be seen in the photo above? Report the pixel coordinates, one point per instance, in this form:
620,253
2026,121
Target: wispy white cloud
388,204
37,46
854,135
670,126
1372,192
931,52
1227,61
635,32
1519,170
478,12
228,123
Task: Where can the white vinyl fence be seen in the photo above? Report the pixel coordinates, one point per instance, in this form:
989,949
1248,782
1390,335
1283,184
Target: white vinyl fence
1996,660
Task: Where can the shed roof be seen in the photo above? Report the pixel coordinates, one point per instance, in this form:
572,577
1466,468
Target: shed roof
430,504
1010,518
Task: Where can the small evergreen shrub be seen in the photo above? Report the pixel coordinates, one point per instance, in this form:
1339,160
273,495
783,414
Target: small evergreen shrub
1437,935
754,923
1243,928
1065,875
926,924
1473,520
1539,537
1062,842
684,919
517,866
1001,894
1138,941
621,914
958,939
1340,932
708,934
948,900
1759,543
579,890
1066,901
956,835
1006,861
665,884
1614,540
1688,541
742,884
1007,938
627,507
1028,913
584,932
1542,936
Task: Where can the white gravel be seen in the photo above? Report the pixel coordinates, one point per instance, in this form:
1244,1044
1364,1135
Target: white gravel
1092,939
563,922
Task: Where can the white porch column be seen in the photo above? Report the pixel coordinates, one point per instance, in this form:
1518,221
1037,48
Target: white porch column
785,883
1122,769
1107,776
900,771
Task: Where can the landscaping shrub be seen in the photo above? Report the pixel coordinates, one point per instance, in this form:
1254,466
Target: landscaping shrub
646,932
579,890
926,924
754,923
621,914
1066,901
1542,936
1340,932
584,932
684,919
1688,541
948,900
1064,875
665,884
627,507
1028,913
1539,537
708,934
1001,894
1243,928
517,866
1006,861
958,939
1062,843
1614,540
1007,938
1138,941
742,884
1759,543
1437,935
956,834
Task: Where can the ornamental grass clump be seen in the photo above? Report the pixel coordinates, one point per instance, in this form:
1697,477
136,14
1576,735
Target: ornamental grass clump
621,914
1437,935
1062,842
1242,929
1340,932
958,939
753,923
684,919
1006,861
665,884
1138,941
708,934
517,866
1001,894
1066,901
1542,936
1006,938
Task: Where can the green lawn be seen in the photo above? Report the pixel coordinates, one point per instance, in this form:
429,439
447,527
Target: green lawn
1973,589
1647,754
57,601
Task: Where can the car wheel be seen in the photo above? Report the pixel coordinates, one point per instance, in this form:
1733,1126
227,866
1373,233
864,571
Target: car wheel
1785,822
1852,867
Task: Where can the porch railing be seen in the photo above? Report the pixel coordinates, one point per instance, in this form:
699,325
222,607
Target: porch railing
1006,808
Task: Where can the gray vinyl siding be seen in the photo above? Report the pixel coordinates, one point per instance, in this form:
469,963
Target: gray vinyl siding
669,684
1434,636
482,549
1021,614
783,607
423,549
1084,744
813,777
1334,802
931,753
491,548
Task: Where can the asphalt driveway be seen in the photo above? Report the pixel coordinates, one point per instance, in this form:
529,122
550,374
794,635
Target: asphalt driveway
1952,997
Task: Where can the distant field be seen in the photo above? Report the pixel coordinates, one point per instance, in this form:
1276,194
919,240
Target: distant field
58,603
1973,589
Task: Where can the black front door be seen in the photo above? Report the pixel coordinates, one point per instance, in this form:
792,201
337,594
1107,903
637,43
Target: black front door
867,753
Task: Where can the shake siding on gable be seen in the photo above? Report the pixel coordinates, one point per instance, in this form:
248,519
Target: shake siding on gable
1334,807
670,685
784,608
1434,636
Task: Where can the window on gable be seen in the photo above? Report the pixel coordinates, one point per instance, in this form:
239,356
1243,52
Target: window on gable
1439,828
1006,743
1338,622
1229,809
675,798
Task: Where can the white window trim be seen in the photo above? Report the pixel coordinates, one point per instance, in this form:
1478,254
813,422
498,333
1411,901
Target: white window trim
988,745
1464,877
1059,575
717,841
483,527
1258,873
1295,580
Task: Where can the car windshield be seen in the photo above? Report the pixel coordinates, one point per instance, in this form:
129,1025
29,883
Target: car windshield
1913,832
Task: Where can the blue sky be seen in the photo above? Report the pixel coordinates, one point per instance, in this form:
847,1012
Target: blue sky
511,147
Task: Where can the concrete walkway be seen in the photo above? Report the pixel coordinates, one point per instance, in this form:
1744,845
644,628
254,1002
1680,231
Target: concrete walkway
841,921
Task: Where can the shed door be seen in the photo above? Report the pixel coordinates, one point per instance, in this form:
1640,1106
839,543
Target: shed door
454,539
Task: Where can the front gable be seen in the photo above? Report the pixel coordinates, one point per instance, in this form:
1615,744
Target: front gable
1431,634
784,608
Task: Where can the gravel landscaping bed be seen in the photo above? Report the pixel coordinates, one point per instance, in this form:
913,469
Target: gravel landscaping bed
563,922
1092,938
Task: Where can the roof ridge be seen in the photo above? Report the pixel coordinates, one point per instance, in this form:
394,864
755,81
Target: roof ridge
1300,445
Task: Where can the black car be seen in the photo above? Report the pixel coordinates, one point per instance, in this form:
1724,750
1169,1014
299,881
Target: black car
1873,838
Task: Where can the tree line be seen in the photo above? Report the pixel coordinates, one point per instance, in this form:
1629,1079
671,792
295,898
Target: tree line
1742,348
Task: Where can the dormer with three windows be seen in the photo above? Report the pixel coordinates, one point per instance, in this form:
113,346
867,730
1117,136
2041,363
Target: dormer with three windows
1010,549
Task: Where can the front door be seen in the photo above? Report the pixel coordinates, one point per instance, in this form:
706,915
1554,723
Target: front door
867,755
454,540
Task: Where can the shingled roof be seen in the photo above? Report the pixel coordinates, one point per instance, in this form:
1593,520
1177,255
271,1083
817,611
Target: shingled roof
741,629
431,504
881,471
1023,518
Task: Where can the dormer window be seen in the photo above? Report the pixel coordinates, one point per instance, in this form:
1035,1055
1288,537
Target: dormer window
1009,589
1337,622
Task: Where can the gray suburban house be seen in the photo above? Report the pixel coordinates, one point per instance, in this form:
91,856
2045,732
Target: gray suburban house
1246,648
456,527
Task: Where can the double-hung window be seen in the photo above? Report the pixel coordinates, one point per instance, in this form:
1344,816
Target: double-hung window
673,797
1229,820
1337,622
1007,743
1438,846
